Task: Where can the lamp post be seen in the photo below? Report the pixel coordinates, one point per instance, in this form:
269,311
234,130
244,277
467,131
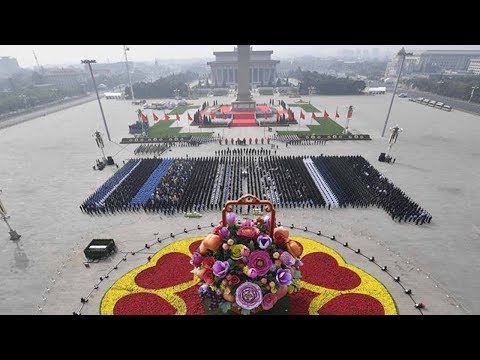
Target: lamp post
125,49
89,63
403,54
311,90
3,214
473,91
100,144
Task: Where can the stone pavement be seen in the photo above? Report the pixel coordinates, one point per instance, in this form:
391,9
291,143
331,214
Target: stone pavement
46,172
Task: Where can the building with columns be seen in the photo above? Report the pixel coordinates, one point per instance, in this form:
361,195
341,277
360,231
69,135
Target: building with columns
225,67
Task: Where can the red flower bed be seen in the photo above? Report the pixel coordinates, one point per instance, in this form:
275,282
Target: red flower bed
143,304
171,269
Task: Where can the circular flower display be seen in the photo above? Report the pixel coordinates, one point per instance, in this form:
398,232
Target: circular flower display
248,296
166,286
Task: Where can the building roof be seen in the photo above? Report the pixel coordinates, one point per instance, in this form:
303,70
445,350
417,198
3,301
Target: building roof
452,52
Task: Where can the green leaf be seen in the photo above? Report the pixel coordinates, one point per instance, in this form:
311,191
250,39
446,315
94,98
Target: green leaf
251,246
297,274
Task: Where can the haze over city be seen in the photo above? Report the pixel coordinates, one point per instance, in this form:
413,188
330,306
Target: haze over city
71,54
154,180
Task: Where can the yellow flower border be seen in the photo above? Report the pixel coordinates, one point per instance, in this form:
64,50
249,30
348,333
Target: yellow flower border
126,284
368,286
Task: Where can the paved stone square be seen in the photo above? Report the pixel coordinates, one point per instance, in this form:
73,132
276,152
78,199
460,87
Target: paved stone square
46,172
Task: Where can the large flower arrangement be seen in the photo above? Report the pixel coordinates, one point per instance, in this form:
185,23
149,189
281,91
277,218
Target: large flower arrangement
245,269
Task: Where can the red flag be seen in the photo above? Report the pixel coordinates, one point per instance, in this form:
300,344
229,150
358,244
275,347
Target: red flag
350,112
266,115
177,116
144,118
166,117
314,117
325,115
336,114
155,118
189,117
302,115
224,116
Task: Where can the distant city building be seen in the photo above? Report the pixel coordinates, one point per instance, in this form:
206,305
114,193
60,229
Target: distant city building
433,62
474,66
412,64
8,66
225,67
440,60
67,79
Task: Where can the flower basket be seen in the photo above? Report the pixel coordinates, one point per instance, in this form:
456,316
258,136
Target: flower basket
247,267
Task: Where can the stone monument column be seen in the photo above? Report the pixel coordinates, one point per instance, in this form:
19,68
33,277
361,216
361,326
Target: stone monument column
244,100
243,73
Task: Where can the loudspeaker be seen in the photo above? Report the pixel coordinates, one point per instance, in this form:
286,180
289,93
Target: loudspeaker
381,157
110,160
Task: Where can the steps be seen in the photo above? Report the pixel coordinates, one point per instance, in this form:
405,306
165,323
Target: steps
244,119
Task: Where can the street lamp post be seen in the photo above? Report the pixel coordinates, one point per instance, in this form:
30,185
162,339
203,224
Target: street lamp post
311,89
125,49
403,54
89,63
3,214
473,91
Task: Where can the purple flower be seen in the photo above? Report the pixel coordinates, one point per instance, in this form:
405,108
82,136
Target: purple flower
231,217
196,259
266,220
252,273
248,296
269,301
220,268
260,261
224,233
264,241
245,252
287,259
284,277
298,263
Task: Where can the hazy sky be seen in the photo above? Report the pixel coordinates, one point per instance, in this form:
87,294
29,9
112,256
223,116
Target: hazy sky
72,54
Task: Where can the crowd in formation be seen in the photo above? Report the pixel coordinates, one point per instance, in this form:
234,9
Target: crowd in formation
293,139
206,183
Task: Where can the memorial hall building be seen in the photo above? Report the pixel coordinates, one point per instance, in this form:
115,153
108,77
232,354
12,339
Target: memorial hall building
225,67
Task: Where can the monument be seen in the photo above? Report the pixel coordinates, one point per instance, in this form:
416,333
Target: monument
244,100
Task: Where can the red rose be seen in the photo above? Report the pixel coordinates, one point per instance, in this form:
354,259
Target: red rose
234,280
259,220
208,276
208,262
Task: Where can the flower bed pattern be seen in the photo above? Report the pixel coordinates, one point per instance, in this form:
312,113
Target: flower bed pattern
329,286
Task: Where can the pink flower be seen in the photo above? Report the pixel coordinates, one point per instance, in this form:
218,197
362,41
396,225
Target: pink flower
245,251
248,232
252,273
260,261
269,301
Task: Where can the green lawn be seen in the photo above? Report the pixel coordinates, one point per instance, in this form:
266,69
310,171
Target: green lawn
180,109
324,127
306,107
162,129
